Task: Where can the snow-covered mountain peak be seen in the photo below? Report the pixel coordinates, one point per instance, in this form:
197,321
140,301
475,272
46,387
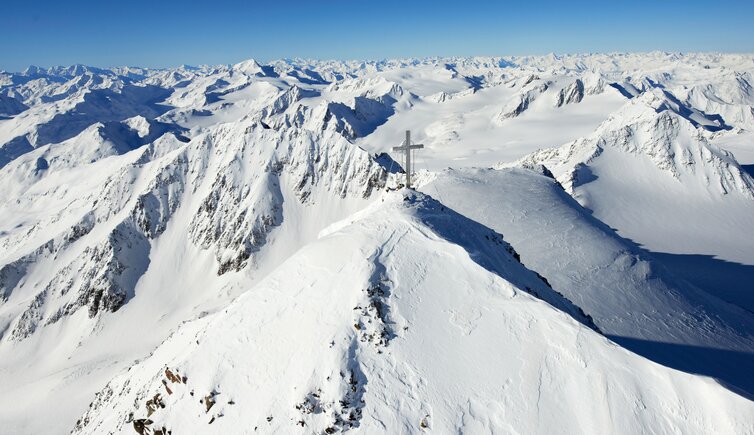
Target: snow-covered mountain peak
650,127
248,67
365,327
139,124
367,87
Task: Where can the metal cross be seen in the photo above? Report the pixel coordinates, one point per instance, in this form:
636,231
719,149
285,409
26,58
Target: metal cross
408,147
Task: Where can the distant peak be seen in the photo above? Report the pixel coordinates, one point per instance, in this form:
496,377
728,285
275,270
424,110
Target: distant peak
250,66
32,69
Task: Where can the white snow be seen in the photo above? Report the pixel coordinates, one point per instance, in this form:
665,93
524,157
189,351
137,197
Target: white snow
451,347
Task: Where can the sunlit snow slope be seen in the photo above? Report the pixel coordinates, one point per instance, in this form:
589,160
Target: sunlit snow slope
384,326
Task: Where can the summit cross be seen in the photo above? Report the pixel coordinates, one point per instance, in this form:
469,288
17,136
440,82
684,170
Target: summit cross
408,147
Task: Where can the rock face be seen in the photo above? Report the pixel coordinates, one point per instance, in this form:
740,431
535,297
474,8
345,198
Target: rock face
521,101
572,93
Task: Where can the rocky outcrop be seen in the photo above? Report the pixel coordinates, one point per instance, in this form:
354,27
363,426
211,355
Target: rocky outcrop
572,93
101,279
521,101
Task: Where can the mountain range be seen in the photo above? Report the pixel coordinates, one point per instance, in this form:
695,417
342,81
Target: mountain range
233,249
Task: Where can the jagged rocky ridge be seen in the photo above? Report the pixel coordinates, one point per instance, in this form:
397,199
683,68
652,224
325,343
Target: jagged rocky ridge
298,149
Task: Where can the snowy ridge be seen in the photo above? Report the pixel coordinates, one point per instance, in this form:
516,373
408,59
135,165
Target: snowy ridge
628,294
296,161
102,274
369,355
732,99
647,126
234,218
611,279
532,89
573,93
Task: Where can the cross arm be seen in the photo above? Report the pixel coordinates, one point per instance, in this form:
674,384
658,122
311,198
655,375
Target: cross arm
412,147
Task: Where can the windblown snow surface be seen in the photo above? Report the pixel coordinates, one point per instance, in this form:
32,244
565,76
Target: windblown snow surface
230,249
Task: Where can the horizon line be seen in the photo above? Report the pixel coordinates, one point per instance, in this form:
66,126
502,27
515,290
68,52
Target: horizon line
383,59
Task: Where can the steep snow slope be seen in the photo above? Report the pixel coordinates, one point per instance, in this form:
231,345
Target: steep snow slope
128,255
629,295
741,144
379,326
651,174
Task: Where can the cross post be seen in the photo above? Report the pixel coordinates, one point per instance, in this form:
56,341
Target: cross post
408,147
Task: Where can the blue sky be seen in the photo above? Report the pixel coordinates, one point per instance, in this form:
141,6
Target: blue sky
161,33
